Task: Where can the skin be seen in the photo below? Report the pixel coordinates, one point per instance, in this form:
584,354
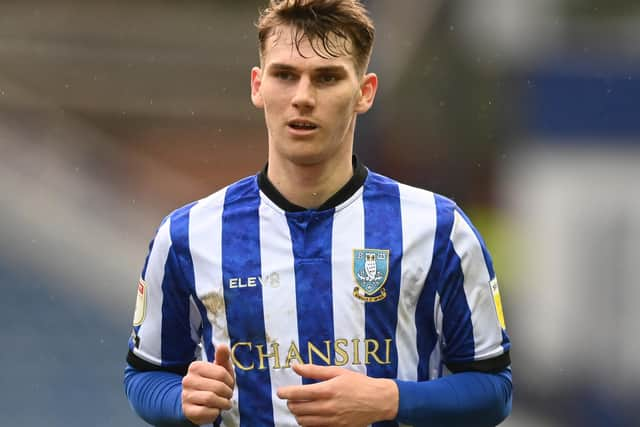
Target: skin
341,398
307,167
208,387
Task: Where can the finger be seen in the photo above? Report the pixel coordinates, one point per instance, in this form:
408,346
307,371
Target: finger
304,392
318,407
317,372
205,398
314,421
223,358
210,371
195,383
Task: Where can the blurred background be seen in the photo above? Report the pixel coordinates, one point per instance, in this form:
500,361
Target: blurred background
527,113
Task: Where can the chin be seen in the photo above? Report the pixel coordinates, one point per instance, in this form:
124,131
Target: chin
309,152
305,159
303,156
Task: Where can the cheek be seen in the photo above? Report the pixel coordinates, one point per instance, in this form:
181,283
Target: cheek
274,101
344,108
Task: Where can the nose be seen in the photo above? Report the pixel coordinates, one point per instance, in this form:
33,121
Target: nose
304,97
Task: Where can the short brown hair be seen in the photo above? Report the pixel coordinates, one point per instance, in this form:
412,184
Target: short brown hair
332,27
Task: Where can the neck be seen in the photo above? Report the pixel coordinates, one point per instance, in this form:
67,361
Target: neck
309,186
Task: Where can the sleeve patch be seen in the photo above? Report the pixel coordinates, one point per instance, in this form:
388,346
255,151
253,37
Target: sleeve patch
141,303
495,291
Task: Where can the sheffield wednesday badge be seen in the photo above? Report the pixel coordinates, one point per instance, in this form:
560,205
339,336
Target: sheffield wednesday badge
370,271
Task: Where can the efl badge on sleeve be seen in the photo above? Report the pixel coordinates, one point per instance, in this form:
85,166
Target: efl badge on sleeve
141,303
370,271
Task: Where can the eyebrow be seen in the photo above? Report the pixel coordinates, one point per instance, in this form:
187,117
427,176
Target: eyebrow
325,69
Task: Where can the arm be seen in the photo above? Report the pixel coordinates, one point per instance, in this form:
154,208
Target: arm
474,345
469,320
347,398
166,399
156,396
161,322
462,399
163,383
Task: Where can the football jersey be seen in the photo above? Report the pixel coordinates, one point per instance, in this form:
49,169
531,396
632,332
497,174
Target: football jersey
383,279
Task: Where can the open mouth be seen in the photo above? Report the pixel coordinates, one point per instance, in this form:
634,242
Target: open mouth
297,125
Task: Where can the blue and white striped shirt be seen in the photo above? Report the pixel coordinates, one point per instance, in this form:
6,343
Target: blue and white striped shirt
384,279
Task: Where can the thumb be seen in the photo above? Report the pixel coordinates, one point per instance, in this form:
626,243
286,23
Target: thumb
223,358
316,372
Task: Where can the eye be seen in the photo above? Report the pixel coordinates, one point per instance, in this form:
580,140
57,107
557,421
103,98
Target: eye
284,75
327,78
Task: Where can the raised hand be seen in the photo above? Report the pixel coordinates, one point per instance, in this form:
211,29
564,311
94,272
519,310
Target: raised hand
341,398
208,387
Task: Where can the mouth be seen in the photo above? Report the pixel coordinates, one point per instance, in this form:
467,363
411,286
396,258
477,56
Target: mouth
301,125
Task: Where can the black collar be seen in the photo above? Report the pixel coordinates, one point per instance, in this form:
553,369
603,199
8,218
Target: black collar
357,180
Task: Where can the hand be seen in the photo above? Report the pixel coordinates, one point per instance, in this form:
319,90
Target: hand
342,398
208,387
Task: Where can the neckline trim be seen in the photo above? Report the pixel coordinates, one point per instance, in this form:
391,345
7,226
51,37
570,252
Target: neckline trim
360,173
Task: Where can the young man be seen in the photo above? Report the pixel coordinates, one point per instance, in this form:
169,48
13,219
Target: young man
318,293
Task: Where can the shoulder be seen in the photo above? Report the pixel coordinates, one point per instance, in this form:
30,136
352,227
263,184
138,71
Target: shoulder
188,218
425,206
412,197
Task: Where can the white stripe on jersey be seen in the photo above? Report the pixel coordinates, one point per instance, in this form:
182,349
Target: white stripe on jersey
435,358
205,241
195,320
413,333
419,219
278,302
348,312
151,328
486,326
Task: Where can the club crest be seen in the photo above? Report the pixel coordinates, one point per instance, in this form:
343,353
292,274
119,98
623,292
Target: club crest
370,271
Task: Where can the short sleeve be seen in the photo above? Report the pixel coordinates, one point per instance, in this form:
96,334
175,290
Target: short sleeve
166,323
473,327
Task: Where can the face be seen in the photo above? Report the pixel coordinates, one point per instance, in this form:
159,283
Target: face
310,103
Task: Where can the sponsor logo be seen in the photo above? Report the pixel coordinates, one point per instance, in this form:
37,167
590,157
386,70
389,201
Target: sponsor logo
272,280
370,271
249,356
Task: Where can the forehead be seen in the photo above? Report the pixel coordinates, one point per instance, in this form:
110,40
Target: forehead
281,47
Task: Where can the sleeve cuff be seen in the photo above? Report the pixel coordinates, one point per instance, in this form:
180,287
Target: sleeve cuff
491,366
144,366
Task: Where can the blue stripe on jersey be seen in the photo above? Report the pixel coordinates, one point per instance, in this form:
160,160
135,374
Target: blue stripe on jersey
485,252
457,327
146,260
506,343
383,230
245,315
311,233
177,285
427,337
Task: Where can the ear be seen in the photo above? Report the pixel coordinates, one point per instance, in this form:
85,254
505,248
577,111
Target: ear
256,81
368,89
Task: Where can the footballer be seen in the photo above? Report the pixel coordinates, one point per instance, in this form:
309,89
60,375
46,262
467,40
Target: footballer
318,292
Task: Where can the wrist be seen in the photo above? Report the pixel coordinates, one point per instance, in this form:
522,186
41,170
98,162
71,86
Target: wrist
389,399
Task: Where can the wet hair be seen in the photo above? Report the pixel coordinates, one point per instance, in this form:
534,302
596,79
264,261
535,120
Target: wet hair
333,27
